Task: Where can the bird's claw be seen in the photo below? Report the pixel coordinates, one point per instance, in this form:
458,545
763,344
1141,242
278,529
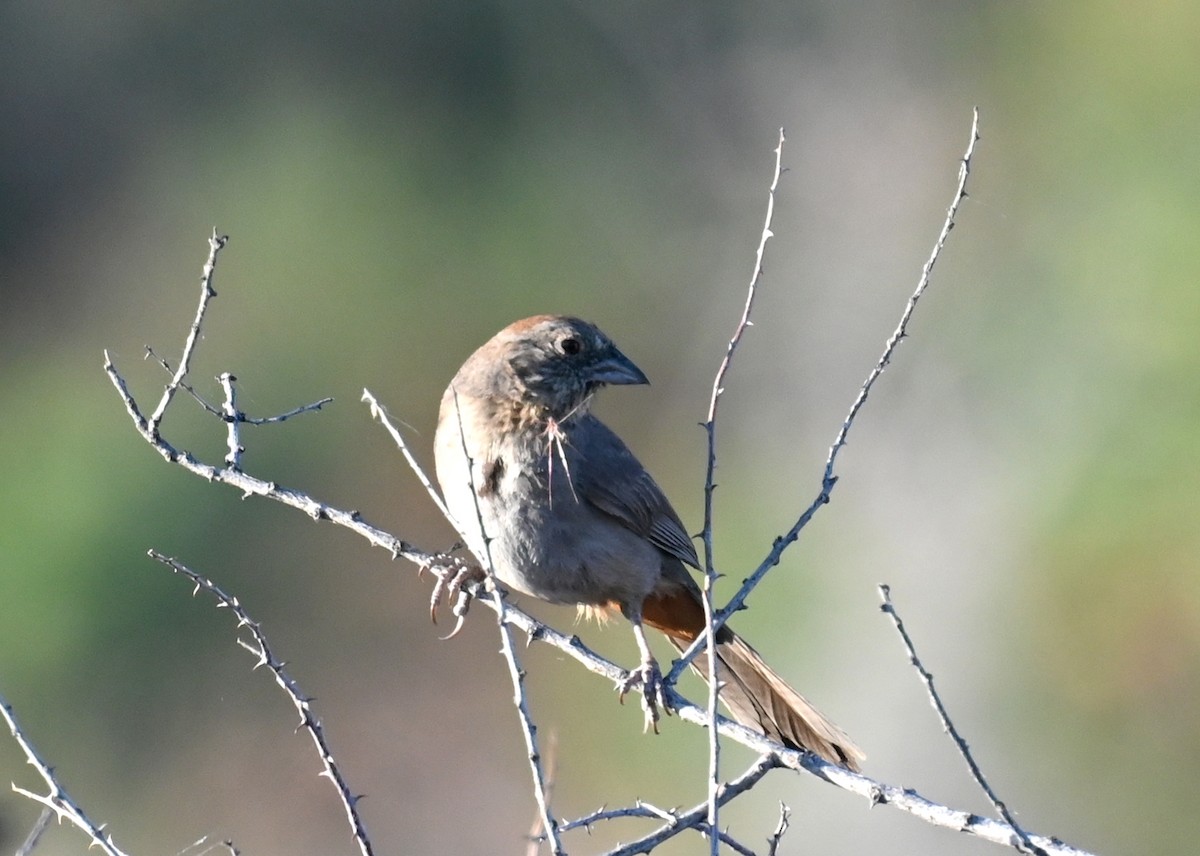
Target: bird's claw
648,678
455,581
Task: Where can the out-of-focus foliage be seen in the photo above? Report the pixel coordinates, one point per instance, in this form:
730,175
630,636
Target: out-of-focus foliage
401,180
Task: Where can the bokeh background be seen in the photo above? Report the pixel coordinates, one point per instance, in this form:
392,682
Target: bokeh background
400,181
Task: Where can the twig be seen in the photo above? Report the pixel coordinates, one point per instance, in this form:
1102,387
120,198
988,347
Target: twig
239,416
58,800
233,458
1021,838
710,429
537,831
234,417
638,809
785,817
184,385
676,822
378,412
251,486
508,649
208,847
216,243
303,704
732,843
35,834
285,416
828,478
694,818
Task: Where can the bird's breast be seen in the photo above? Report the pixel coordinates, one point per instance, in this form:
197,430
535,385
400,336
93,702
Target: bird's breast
525,512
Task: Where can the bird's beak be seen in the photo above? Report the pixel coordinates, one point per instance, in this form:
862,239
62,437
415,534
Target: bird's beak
616,368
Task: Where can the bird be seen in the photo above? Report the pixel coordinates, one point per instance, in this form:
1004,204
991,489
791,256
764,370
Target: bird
557,506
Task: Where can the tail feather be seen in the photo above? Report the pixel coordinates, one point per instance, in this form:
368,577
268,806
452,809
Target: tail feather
755,695
759,698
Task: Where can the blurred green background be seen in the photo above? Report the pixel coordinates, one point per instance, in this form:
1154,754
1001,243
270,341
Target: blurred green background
401,180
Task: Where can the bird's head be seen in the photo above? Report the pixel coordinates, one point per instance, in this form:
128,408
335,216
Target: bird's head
556,362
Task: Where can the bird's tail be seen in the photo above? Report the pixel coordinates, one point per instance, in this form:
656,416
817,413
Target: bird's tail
759,698
755,695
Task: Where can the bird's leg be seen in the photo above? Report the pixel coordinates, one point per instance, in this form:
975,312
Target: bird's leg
647,675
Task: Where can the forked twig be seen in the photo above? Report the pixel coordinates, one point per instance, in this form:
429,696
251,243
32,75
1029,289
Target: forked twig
695,818
216,243
251,486
58,800
829,478
261,649
677,822
785,820
220,412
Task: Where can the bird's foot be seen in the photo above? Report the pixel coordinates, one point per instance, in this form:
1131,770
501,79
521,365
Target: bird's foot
456,580
649,679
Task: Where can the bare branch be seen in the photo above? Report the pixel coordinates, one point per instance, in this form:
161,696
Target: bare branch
215,244
202,847
785,818
233,458
829,478
234,418
695,818
57,800
873,791
378,412
710,428
537,832
517,675
251,486
1021,838
285,416
184,385
303,704
35,834
638,809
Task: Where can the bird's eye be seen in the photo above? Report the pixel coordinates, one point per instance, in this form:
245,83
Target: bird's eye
570,346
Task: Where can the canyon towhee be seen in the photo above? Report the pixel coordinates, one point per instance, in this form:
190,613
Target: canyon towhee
570,516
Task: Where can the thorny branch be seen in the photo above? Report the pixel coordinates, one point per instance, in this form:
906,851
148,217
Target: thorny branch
1021,837
785,819
710,429
57,800
303,704
829,478
697,816
508,649
216,243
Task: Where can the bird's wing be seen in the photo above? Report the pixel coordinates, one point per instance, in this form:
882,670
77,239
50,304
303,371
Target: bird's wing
614,481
